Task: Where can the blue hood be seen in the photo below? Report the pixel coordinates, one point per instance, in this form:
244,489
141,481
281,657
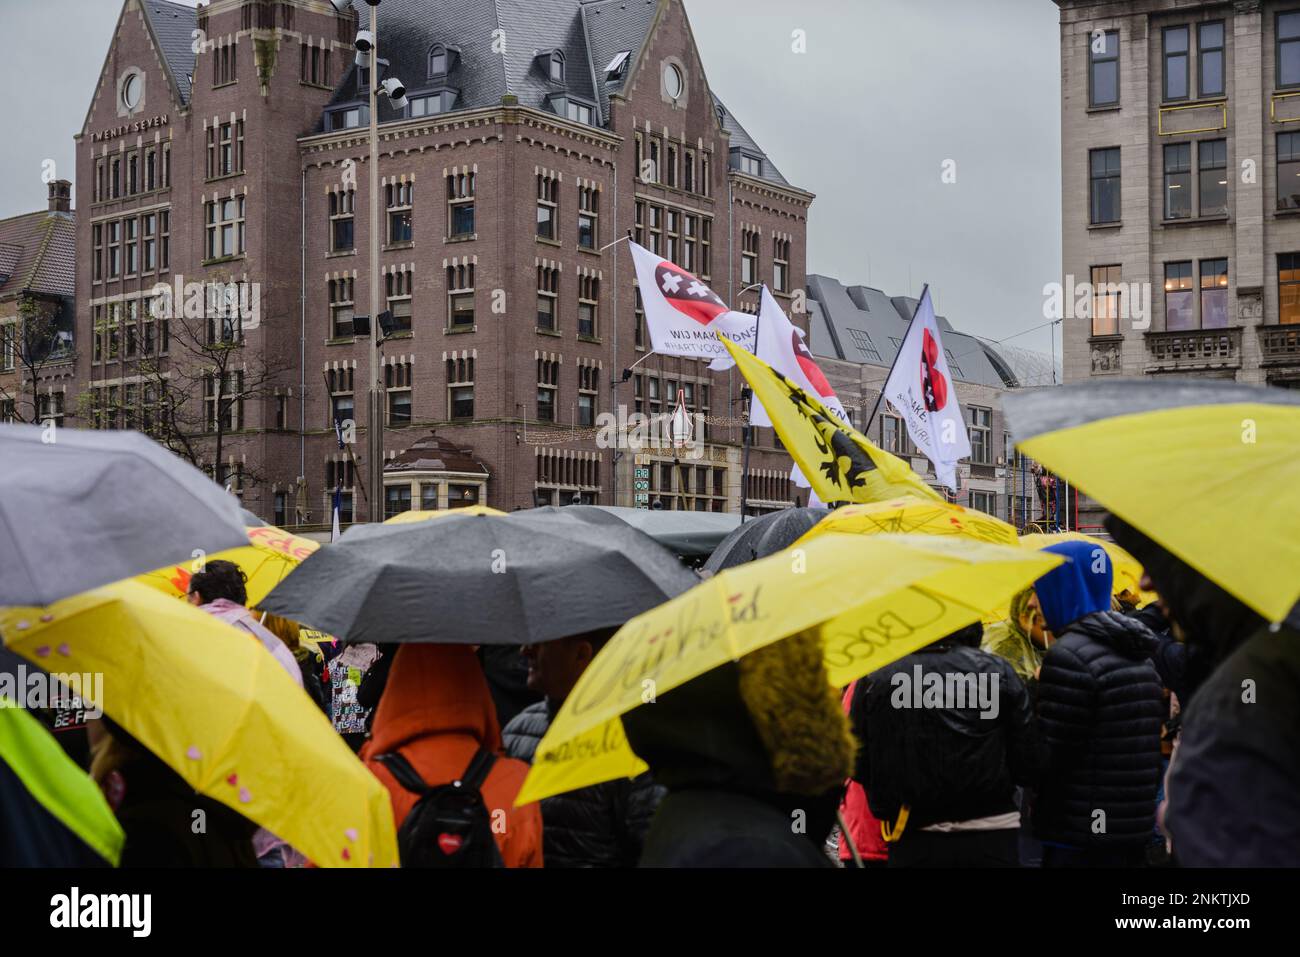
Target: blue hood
1080,586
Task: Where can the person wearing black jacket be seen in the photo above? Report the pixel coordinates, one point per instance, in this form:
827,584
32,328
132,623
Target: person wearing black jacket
1100,709
601,825
945,736
1233,792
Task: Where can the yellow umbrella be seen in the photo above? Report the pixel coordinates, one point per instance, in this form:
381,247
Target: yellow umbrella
1210,471
211,703
872,600
270,556
403,518
908,515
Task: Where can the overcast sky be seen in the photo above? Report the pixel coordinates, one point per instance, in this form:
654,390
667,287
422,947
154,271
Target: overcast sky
886,92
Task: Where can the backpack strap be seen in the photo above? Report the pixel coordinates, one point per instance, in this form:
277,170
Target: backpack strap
479,767
401,769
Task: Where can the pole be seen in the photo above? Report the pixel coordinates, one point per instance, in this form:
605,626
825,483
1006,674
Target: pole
376,430
746,394
866,426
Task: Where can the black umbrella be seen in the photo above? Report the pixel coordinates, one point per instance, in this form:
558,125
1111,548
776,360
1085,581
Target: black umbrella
688,535
86,508
480,579
763,536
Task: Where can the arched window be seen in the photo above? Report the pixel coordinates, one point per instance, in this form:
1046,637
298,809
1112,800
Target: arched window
557,67
438,60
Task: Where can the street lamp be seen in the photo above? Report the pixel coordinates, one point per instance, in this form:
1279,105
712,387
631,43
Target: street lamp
367,46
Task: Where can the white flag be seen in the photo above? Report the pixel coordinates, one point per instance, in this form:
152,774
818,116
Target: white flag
921,390
781,345
682,313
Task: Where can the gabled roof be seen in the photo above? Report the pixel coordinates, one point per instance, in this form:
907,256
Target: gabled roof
614,27
863,324
741,139
38,254
174,25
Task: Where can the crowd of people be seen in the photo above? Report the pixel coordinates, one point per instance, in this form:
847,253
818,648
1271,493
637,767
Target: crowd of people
1054,738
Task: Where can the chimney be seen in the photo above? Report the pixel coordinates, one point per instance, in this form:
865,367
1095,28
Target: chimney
61,196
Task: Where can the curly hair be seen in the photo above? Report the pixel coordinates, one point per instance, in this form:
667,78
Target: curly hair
220,579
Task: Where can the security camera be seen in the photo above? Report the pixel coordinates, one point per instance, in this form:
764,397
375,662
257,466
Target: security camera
394,89
365,41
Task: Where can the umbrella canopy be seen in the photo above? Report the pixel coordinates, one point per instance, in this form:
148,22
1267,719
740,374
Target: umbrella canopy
416,515
213,705
688,535
1128,570
51,812
871,599
1209,470
93,507
251,519
480,580
909,515
763,536
270,555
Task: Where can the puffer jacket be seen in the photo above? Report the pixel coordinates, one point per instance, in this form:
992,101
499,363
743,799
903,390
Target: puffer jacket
602,825
1100,710
945,763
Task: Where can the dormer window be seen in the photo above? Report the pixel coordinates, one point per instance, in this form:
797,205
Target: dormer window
430,104
617,66
580,111
439,61
557,67
746,162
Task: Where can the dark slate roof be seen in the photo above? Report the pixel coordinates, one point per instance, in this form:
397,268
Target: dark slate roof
739,138
436,454
589,33
174,25
614,27
862,324
38,253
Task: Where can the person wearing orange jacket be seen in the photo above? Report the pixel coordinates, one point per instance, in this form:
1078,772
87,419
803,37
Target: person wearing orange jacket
437,711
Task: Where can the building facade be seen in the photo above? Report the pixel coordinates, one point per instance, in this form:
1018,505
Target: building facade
228,147
855,333
1180,135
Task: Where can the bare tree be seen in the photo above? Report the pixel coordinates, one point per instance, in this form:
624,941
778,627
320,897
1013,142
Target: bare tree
39,341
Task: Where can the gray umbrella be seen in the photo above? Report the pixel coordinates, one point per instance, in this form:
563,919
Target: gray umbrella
250,519
688,535
479,579
89,508
763,536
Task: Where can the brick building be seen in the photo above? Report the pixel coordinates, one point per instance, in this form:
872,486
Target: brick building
536,134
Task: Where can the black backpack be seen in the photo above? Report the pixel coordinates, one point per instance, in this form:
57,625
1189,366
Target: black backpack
449,825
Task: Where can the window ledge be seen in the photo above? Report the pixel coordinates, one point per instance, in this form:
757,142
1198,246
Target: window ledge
1195,221
461,330
341,252
341,341
1108,337
1108,108
550,332
405,244
592,251
549,242
462,238
222,259
220,86
400,334
592,339
1284,213
1105,225
218,179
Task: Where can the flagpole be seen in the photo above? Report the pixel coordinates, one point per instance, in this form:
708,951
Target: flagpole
749,427
866,426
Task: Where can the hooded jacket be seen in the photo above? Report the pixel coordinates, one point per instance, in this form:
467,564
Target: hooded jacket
601,825
1100,709
1233,791
438,712
753,754
945,763
1079,586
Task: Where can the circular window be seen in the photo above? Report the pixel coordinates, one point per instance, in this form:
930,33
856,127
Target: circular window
131,87
674,84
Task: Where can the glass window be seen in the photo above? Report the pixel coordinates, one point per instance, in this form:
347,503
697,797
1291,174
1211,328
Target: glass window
1178,297
1209,53
397,499
1105,300
437,61
1288,171
1176,49
1214,293
1288,49
429,496
1178,181
1288,288
1104,185
1212,158
1103,69
462,402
